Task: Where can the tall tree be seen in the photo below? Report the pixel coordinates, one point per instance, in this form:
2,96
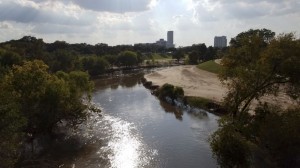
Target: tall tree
259,64
128,58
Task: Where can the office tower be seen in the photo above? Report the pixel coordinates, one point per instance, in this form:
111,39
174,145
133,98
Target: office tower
170,36
220,41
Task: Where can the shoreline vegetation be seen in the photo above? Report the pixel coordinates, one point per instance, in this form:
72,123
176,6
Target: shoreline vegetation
200,83
193,101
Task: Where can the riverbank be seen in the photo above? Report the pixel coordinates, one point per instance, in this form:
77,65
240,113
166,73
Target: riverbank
200,83
195,82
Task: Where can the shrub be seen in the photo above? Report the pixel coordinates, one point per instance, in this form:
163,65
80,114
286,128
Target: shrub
168,90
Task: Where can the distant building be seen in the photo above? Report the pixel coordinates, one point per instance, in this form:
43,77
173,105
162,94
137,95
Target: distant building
220,41
161,42
170,43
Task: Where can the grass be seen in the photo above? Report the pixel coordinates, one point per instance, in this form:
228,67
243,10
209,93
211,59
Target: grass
160,56
198,102
211,66
206,104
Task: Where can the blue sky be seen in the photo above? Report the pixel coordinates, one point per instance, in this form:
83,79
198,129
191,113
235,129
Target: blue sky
140,21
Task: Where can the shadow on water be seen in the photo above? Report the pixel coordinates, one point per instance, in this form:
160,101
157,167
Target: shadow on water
64,148
62,152
123,80
169,108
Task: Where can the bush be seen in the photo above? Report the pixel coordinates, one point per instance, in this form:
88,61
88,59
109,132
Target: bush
229,146
198,102
279,135
168,90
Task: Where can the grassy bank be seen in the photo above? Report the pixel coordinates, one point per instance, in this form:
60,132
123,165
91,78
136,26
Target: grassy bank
210,66
206,104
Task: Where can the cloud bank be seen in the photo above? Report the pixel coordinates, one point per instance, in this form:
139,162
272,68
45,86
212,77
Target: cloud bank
134,21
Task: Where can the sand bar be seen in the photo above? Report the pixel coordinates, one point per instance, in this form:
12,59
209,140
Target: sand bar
201,83
195,82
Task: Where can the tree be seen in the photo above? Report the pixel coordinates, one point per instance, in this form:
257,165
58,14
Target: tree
258,68
201,48
33,101
11,123
210,54
46,99
9,58
193,57
178,54
63,60
94,65
258,64
127,58
112,59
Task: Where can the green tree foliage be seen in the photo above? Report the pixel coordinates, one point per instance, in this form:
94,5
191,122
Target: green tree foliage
62,60
201,49
112,59
127,58
230,146
279,134
140,57
259,64
193,57
9,58
11,124
33,101
94,65
178,54
210,54
168,90
46,99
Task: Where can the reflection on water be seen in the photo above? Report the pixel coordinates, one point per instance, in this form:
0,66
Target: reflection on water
125,145
136,130
167,135
172,109
110,142
113,82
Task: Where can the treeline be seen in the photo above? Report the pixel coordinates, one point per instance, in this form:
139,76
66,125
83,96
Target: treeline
198,53
95,59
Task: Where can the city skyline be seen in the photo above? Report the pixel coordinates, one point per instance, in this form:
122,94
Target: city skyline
128,22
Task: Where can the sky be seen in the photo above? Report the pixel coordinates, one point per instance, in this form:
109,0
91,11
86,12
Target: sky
118,22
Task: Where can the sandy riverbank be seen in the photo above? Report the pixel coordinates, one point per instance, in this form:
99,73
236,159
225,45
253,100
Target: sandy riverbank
196,82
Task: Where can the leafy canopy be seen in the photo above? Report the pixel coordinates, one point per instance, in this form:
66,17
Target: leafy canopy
259,64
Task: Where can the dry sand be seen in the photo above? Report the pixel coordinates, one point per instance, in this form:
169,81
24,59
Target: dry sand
196,82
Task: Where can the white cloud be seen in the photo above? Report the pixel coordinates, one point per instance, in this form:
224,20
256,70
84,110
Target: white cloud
24,12
5,25
134,21
114,6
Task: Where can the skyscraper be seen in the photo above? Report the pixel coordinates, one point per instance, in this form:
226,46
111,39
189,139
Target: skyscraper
170,39
220,41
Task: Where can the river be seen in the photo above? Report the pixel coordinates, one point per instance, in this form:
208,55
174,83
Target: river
136,130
